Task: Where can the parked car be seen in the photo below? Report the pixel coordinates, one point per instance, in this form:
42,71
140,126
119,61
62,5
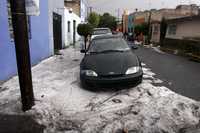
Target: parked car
132,45
109,60
100,31
130,37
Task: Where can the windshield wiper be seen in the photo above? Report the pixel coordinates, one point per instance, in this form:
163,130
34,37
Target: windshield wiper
107,51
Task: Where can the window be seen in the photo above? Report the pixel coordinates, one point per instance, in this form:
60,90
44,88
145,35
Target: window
155,30
10,23
172,30
74,24
69,26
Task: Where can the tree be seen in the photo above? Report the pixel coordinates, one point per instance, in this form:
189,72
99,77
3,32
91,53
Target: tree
142,28
94,19
85,30
163,30
107,20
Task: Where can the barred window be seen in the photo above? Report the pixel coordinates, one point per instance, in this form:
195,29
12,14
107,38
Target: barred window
172,30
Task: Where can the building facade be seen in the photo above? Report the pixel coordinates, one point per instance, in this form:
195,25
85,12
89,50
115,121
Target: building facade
75,12
179,12
130,23
184,28
79,7
42,35
125,21
71,23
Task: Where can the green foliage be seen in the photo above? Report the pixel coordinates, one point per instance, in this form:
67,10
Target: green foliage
94,19
84,29
143,28
107,20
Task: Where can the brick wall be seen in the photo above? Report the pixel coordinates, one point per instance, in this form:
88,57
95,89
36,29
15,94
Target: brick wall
75,5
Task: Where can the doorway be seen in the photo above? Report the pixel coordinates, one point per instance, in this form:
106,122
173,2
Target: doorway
74,32
57,32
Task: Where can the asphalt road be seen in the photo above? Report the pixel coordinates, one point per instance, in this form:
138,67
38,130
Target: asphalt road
178,73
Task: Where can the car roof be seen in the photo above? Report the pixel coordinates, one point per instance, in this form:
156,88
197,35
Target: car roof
107,37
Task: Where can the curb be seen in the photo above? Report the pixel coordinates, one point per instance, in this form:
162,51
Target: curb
191,56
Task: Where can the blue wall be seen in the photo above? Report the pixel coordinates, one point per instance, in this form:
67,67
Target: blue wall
39,42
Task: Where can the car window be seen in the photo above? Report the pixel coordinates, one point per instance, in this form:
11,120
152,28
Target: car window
101,45
101,31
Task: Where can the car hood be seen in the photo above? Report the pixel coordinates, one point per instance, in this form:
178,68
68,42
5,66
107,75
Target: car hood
113,63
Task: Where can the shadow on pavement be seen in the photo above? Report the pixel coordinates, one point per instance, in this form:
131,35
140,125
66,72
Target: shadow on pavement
19,124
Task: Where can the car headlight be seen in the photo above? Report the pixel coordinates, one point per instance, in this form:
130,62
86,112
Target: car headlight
89,73
133,70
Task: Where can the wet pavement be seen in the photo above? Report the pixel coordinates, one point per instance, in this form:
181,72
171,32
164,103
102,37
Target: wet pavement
178,73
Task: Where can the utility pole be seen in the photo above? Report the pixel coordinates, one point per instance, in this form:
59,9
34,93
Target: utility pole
19,21
118,13
149,24
90,9
149,27
122,23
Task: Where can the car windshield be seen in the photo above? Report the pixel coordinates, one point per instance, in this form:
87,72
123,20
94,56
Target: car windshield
101,31
109,44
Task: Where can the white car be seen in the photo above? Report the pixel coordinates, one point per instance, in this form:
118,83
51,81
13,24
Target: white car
100,31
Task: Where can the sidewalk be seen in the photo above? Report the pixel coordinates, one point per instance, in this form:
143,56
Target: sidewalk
12,119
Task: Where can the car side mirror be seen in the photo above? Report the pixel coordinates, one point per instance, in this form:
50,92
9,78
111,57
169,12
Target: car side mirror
83,51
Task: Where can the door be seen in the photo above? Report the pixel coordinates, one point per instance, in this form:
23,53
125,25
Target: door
74,32
57,31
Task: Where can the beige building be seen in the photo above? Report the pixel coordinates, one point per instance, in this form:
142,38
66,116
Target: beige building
179,12
74,5
184,28
125,21
155,35
79,7
141,17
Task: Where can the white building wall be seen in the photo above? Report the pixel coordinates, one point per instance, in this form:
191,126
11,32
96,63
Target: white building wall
56,6
68,39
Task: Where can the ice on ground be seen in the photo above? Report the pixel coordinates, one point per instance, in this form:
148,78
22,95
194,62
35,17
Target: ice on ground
143,64
157,49
62,105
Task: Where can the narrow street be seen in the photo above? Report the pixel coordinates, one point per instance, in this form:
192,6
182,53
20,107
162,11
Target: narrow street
177,73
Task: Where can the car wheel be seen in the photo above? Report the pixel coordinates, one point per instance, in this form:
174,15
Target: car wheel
140,79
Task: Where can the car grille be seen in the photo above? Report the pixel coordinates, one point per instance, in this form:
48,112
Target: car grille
112,76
